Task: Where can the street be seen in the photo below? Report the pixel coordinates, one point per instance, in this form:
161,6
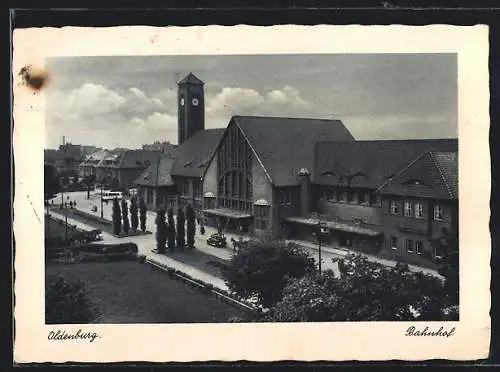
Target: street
147,242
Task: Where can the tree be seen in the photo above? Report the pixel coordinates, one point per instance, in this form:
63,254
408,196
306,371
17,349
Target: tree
261,269
363,291
448,266
51,181
181,230
190,226
126,223
133,214
142,211
117,217
161,230
171,230
68,302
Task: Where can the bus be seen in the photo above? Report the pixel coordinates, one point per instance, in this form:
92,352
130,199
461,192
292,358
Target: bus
110,195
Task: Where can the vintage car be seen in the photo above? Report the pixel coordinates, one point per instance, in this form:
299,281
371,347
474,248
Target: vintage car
217,240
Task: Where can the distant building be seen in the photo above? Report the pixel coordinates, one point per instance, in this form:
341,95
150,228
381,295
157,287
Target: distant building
308,179
165,147
121,169
88,168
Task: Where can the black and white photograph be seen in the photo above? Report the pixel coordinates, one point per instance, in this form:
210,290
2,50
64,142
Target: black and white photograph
250,189
309,188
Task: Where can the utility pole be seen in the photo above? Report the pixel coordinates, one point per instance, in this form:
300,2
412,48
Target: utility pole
66,224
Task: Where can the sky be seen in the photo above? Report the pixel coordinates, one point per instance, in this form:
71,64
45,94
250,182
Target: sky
127,101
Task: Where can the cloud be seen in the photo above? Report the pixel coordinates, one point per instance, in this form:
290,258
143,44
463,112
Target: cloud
94,113
243,101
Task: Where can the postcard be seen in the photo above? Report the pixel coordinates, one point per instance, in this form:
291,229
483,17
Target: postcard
305,193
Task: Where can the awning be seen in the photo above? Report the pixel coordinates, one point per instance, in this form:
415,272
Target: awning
229,213
351,228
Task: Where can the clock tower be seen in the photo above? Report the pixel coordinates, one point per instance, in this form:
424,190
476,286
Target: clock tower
190,107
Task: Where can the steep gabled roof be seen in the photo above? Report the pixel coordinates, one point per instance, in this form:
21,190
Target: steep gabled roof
286,145
430,175
192,156
158,174
96,156
369,164
191,79
137,158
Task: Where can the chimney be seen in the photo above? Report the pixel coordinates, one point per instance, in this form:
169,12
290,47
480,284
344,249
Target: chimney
304,177
64,140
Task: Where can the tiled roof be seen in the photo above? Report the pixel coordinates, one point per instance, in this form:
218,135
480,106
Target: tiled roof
430,175
158,174
370,164
96,157
191,79
286,145
193,155
137,158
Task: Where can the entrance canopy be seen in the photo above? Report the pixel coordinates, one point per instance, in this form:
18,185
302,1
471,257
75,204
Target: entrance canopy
228,213
345,227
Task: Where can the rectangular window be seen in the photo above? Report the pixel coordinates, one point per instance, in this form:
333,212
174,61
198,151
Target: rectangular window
393,207
419,210
323,195
332,195
362,197
408,209
342,197
261,216
438,213
419,247
409,245
351,196
394,243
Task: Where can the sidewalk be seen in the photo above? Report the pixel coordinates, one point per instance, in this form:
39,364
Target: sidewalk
345,252
145,249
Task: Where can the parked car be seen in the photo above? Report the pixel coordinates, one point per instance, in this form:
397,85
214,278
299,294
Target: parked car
217,240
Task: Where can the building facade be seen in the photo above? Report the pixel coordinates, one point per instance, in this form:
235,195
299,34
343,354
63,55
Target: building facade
308,179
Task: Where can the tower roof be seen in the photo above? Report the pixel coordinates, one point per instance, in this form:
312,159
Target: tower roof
191,79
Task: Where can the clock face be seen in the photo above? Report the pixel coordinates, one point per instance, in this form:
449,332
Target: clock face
182,101
195,101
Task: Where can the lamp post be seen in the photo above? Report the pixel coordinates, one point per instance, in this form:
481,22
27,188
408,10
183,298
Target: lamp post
320,226
102,213
66,222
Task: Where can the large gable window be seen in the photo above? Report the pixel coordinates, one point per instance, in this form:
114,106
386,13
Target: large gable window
234,164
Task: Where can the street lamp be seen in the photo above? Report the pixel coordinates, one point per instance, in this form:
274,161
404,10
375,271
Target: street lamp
102,214
320,227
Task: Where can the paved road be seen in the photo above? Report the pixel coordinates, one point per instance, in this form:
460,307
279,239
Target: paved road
148,241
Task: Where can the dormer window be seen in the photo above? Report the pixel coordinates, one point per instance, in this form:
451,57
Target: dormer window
414,182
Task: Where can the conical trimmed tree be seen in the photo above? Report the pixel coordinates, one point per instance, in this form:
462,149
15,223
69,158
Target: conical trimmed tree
142,211
161,230
134,218
190,226
117,217
181,229
171,230
125,221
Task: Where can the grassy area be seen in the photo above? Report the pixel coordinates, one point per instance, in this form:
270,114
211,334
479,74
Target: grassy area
131,292
54,228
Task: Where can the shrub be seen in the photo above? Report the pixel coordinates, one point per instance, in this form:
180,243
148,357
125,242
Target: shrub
190,226
117,218
134,219
180,237
126,224
142,210
261,269
171,230
161,230
364,291
68,302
